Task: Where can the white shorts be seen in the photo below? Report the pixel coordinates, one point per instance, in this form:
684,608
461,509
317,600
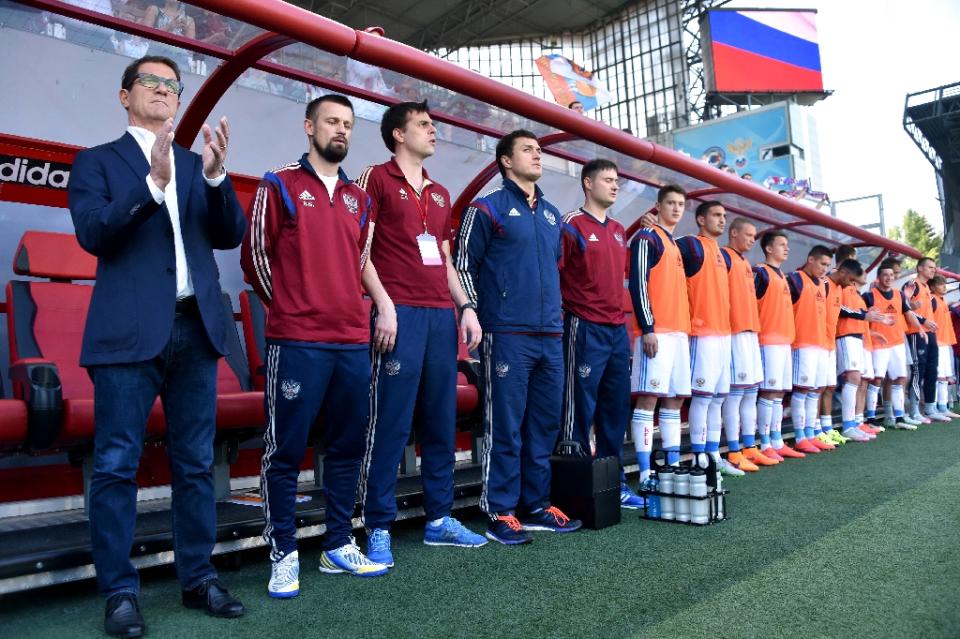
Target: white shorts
777,367
945,364
811,367
907,353
667,374
850,355
746,365
710,364
890,361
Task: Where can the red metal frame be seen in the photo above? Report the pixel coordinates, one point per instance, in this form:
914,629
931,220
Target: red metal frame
295,24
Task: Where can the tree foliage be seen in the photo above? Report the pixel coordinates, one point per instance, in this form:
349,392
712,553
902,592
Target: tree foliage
917,232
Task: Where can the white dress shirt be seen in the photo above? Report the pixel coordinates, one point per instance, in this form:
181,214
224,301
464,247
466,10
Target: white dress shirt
145,140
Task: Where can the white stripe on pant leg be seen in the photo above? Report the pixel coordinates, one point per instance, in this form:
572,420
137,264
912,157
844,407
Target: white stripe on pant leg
487,422
568,417
269,442
375,359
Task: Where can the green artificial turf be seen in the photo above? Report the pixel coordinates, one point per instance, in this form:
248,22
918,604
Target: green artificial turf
860,542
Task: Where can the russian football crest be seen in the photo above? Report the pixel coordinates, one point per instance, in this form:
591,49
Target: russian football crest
439,199
351,203
550,217
502,369
584,371
392,367
618,236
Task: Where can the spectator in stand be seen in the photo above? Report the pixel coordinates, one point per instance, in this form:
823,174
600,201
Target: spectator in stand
171,17
748,177
577,106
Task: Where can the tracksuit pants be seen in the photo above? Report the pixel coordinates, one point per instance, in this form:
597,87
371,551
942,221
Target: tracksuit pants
304,382
923,371
596,385
522,400
415,383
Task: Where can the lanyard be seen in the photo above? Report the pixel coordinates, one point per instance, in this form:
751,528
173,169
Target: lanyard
420,207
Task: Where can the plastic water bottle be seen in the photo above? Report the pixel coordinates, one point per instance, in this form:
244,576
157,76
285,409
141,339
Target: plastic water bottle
720,498
681,488
666,478
699,508
653,501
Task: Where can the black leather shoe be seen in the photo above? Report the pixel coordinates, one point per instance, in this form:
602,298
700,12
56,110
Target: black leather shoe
212,596
123,618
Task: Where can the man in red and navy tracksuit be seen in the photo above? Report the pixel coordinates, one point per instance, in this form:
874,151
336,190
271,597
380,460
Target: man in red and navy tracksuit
596,346
508,252
304,254
414,286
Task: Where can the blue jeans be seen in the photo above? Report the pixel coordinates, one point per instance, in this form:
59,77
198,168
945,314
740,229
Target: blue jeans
184,375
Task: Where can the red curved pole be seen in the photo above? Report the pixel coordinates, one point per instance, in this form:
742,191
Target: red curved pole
221,79
874,263
471,190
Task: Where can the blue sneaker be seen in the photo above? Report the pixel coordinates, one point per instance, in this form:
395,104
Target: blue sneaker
630,500
348,559
378,547
506,529
550,519
450,532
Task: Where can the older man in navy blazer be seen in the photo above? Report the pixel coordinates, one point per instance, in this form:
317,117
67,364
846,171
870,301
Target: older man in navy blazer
152,212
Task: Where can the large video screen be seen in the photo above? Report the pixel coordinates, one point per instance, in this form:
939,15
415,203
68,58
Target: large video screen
761,51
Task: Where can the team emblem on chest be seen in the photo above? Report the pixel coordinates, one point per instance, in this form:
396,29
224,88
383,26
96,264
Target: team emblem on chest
618,237
403,194
441,202
550,217
351,203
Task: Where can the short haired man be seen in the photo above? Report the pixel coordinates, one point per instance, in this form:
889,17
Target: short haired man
661,357
889,354
851,333
414,287
577,106
153,212
811,360
946,339
922,344
834,293
777,333
508,255
708,295
739,409
596,344
304,255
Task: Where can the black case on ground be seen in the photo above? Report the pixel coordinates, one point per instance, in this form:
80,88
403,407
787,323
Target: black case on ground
584,487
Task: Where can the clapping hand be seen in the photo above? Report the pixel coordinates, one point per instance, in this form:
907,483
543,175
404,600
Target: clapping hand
215,148
161,169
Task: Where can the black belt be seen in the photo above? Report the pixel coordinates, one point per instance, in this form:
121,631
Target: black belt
188,306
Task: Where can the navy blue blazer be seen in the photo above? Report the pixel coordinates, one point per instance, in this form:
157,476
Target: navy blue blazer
116,219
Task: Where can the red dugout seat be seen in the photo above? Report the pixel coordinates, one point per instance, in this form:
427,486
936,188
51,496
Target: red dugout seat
45,321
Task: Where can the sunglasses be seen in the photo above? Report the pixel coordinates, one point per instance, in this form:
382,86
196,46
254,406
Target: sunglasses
150,81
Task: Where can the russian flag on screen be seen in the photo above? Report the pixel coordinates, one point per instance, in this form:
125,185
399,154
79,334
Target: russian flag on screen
765,51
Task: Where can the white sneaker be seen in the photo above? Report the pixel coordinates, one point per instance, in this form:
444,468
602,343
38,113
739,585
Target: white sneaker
909,419
285,577
349,559
950,414
726,468
904,425
938,417
856,435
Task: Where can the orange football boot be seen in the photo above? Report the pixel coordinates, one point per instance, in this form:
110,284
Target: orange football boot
758,458
806,446
737,459
787,452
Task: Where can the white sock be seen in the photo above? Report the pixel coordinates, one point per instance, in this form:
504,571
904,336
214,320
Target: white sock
826,423
896,399
730,414
776,424
848,404
942,393
641,427
798,412
670,433
715,425
813,411
698,422
748,414
873,393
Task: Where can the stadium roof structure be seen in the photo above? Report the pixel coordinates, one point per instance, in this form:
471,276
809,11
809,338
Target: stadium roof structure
450,24
468,101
